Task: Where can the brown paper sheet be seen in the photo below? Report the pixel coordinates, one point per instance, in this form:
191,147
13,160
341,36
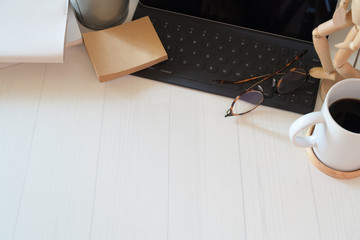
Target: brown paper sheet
124,49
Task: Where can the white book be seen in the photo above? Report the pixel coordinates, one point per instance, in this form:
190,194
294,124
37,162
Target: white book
73,38
32,31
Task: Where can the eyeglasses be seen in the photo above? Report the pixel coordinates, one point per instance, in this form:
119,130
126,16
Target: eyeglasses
250,98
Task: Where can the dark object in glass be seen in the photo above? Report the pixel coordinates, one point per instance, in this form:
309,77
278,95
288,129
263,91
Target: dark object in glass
346,112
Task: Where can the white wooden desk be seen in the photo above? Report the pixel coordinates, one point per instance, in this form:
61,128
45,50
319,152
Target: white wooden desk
138,159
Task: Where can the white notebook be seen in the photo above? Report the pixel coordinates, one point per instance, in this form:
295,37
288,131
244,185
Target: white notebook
32,30
73,35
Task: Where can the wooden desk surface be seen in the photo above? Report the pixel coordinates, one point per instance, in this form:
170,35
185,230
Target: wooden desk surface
138,159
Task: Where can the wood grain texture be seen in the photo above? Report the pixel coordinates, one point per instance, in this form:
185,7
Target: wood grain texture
138,159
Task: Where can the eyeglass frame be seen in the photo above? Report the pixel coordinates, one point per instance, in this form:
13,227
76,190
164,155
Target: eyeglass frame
230,113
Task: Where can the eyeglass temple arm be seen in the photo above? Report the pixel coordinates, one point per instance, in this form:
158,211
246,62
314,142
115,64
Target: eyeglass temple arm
228,113
265,76
301,54
240,81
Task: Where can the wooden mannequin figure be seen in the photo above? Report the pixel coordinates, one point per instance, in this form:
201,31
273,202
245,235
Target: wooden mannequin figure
339,68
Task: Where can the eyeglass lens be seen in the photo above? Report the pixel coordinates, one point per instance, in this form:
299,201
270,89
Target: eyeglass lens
248,102
292,80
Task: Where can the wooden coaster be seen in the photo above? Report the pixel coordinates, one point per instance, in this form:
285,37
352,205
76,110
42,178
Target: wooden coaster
325,86
325,169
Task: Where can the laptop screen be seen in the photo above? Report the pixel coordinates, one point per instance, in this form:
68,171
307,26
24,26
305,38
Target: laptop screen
291,18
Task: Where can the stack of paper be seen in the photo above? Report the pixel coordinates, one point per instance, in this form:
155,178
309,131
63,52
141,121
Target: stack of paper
34,31
124,49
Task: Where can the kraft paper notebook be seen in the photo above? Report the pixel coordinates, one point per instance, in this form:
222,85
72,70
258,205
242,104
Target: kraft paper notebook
124,49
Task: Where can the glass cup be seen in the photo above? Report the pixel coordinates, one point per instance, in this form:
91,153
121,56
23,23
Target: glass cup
100,14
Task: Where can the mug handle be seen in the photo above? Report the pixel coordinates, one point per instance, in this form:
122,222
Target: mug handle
305,122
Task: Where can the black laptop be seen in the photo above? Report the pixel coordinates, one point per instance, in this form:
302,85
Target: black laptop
236,39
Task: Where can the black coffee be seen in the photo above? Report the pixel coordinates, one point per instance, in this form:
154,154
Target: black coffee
346,112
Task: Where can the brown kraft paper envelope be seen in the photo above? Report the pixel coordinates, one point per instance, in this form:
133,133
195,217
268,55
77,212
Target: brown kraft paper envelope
124,49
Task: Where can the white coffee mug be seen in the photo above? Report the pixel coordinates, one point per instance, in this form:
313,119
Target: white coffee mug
333,145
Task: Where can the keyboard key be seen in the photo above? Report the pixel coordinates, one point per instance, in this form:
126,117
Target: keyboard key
230,39
191,31
292,98
168,47
171,59
181,39
225,71
221,59
168,69
212,68
274,60
203,34
178,27
217,37
261,57
184,61
307,100
246,54
238,74
195,42
257,45
235,62
181,50
261,68
244,42
284,51
270,48
194,52
208,44
208,56
234,50
248,65
221,47
168,36
199,65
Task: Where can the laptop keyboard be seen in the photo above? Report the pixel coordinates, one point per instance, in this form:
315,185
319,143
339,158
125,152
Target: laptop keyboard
200,51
